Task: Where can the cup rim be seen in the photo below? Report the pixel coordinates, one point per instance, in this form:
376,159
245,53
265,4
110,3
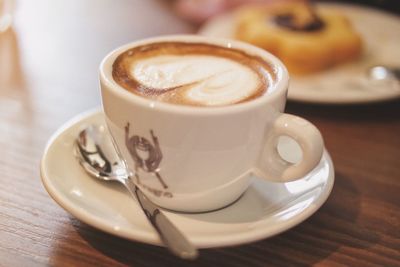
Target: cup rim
279,88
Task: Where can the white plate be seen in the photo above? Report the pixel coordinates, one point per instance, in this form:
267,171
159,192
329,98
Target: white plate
264,210
347,83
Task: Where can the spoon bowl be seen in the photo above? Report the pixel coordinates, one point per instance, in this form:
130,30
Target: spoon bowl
381,72
97,155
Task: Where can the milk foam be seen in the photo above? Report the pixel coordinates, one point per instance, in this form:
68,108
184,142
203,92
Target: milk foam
200,79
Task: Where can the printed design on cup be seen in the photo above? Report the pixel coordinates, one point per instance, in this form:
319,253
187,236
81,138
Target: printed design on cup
137,146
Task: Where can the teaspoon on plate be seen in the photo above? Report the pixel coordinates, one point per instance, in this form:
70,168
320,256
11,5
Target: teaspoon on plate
98,156
381,72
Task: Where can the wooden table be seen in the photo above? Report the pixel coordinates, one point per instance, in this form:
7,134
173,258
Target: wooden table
48,74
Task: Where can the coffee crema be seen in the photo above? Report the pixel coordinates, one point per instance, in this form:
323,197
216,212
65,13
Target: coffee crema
195,74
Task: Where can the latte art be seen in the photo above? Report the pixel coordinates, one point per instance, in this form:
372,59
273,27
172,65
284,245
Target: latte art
191,74
205,80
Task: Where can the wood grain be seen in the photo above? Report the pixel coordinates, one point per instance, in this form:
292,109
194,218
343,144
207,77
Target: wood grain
48,74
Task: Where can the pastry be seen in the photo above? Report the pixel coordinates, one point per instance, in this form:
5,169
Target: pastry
305,39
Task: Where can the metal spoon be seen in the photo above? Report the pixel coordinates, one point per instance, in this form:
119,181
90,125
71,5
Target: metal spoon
98,156
380,72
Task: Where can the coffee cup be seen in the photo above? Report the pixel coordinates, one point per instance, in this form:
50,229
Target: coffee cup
196,118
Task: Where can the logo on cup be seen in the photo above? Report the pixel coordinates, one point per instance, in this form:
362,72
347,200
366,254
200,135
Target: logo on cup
138,147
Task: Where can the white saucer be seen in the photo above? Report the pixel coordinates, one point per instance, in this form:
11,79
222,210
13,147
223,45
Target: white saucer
348,83
265,209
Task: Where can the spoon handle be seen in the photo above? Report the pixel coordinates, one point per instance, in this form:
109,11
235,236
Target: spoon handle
173,239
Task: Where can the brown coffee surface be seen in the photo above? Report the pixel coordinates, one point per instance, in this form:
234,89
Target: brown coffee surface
231,66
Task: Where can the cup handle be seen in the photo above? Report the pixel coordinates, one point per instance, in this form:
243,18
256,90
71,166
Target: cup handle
272,167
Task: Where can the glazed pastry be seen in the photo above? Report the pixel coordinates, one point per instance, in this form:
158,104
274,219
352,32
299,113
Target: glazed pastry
305,39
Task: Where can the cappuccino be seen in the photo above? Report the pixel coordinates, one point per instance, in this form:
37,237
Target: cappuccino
194,74
197,118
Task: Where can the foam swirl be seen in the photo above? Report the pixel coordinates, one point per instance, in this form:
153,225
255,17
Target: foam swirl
197,79
194,74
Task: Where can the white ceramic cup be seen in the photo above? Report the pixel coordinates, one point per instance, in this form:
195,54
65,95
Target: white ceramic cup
203,158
